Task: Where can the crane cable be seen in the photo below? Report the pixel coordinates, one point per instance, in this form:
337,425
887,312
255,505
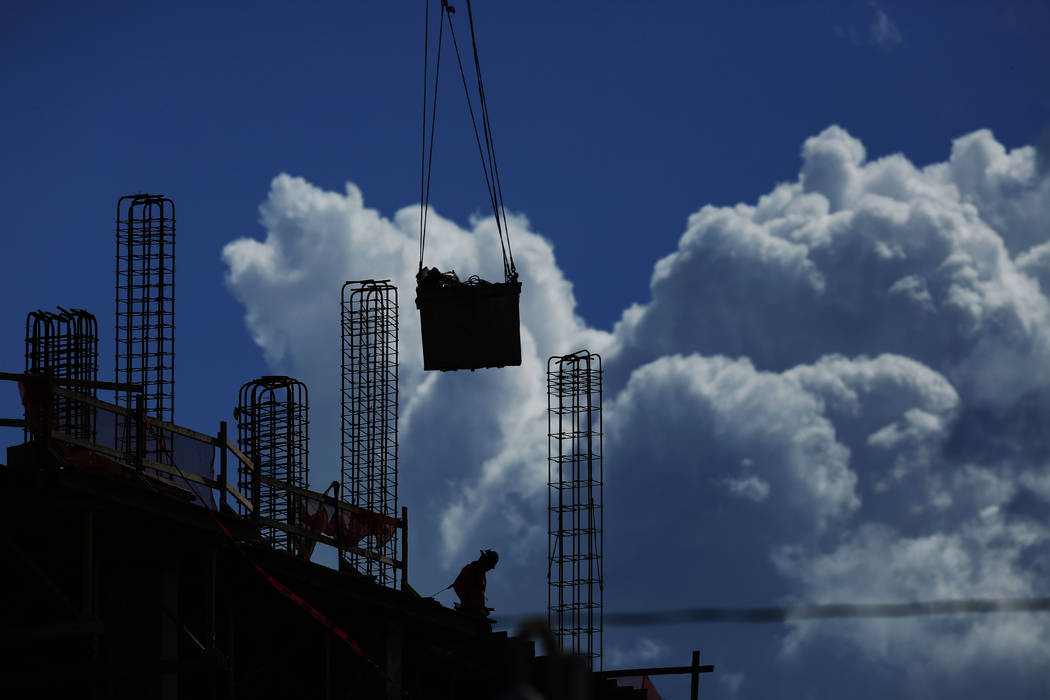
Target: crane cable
428,158
496,191
487,152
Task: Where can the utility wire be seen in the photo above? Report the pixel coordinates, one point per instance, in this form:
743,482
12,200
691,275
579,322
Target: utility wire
780,615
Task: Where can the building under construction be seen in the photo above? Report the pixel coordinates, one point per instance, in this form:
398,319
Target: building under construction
150,560
145,559
122,586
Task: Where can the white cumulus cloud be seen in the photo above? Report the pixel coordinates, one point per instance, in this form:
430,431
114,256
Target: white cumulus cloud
487,429
838,393
861,257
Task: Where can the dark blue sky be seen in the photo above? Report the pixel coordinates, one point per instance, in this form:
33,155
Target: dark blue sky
614,122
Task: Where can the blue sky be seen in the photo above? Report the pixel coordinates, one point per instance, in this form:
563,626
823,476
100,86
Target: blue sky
615,124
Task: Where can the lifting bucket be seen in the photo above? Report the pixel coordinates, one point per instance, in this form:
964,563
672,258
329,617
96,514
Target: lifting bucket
467,325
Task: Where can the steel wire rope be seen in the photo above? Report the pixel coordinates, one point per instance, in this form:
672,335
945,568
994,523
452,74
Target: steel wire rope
424,184
491,146
477,141
509,272
423,138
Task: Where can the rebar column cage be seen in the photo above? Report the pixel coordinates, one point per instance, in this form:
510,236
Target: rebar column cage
575,538
273,431
145,294
64,345
369,414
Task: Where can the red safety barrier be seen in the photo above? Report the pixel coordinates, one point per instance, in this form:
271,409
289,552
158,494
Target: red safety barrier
354,525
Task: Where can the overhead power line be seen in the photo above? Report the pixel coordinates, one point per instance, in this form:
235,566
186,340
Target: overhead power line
653,618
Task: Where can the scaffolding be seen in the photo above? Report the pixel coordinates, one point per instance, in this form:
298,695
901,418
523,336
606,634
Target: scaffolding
145,294
64,345
575,538
369,415
273,431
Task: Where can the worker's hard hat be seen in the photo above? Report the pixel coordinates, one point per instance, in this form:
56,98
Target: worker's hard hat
490,557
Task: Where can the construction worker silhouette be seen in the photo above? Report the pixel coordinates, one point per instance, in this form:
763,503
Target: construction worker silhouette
470,584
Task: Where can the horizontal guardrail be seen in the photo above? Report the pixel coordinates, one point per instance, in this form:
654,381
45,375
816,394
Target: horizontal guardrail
133,460
88,383
220,485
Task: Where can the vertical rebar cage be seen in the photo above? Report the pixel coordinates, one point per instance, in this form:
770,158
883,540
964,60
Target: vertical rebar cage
369,321
64,345
575,538
273,431
145,294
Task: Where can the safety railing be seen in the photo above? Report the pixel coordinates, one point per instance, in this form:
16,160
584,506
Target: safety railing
176,459
127,441
325,519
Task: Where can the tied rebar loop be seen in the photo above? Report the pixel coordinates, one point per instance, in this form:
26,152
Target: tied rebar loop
369,455
575,533
273,430
64,345
145,309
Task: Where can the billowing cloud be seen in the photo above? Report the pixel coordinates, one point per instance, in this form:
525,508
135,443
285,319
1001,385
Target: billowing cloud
864,258
987,555
838,393
744,427
485,429
934,445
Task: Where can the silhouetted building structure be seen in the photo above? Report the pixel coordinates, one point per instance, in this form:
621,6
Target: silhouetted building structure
130,584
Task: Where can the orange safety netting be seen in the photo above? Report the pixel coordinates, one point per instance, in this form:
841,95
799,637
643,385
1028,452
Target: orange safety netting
348,530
